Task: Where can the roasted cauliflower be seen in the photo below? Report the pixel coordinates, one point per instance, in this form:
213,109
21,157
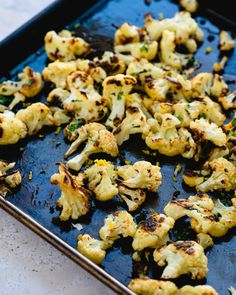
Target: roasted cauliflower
182,257
30,84
217,174
119,224
75,199
115,90
92,248
11,129
153,232
132,197
65,47
99,140
35,117
142,175
204,240
189,5
226,41
101,179
148,286
197,290
111,63
84,101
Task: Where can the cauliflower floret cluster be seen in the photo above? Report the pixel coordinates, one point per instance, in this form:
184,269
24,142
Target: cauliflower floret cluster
75,199
189,5
98,140
102,180
111,63
117,225
35,117
205,216
153,232
30,85
92,248
226,41
8,179
182,257
12,129
216,174
64,46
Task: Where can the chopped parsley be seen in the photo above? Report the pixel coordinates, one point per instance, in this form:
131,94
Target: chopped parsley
180,118
145,47
191,62
74,126
31,82
202,116
5,100
89,137
160,15
135,74
234,122
120,95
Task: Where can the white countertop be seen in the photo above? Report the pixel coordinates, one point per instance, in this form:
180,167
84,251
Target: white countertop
28,264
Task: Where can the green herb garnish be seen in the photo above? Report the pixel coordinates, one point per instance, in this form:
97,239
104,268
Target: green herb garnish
5,100
145,47
134,74
202,116
120,95
74,126
31,82
234,122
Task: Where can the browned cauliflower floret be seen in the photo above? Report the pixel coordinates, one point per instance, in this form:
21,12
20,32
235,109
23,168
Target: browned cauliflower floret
8,179
102,180
35,117
153,232
92,248
204,240
134,121
60,116
84,101
205,215
228,101
182,257
111,63
115,90
189,5
75,199
142,175
30,84
185,28
99,140
57,72
128,33
96,72
132,197
168,139
205,131
119,224
66,47
226,41
152,287
217,174
11,128
197,290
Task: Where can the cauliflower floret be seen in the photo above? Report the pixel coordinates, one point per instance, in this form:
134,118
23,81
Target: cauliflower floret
153,232
142,175
201,84
119,224
115,90
11,129
57,96
152,287
84,101
168,55
219,87
66,47
190,5
219,66
205,215
75,199
182,257
204,240
167,139
217,174
60,116
111,63
146,49
92,248
57,72
102,180
228,101
128,33
8,179
132,197
182,24
205,131
35,117
133,123
30,84
96,72
226,41
197,290
99,140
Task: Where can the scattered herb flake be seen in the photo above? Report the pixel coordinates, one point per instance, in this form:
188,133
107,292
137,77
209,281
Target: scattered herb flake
57,130
202,116
234,122
145,47
160,15
58,143
120,94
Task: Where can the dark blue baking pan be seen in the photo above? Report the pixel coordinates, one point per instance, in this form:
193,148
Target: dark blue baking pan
34,203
